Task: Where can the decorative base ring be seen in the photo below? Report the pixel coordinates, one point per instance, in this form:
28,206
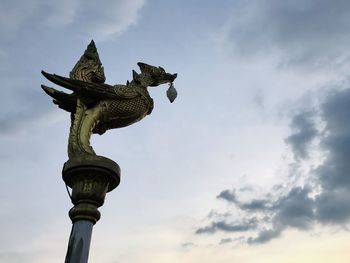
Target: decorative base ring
90,178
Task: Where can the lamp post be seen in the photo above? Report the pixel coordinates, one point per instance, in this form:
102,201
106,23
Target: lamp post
90,180
96,107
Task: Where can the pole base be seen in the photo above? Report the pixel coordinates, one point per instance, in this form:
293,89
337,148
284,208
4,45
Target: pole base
90,178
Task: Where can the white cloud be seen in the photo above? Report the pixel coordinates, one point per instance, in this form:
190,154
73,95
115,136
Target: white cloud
98,19
113,17
62,13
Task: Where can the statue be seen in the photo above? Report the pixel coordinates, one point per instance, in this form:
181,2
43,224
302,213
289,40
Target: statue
96,107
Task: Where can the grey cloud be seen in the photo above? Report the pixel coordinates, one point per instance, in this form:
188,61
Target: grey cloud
304,132
246,189
225,241
255,204
313,32
227,195
334,172
335,110
240,239
187,245
300,208
295,209
215,214
265,236
228,227
333,207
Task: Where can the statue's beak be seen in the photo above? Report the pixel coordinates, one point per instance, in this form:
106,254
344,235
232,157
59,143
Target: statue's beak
172,77
167,78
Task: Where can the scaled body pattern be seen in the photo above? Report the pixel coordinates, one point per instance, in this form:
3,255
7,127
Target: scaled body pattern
96,107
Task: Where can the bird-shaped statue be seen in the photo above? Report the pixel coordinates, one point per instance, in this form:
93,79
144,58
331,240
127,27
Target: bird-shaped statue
96,107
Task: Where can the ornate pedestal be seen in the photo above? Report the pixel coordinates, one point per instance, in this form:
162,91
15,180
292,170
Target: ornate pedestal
90,178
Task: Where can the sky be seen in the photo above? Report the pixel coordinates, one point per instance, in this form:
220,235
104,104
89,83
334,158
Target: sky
249,164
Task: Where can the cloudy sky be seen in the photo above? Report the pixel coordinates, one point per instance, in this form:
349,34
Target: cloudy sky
249,164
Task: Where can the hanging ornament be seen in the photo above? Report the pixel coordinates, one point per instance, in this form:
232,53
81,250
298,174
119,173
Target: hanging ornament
171,93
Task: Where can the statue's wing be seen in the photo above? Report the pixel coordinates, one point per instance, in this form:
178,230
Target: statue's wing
96,91
63,100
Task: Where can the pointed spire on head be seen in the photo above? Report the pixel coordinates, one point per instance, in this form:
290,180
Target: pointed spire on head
91,51
89,67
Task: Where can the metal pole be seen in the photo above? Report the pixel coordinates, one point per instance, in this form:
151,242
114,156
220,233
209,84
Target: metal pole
79,242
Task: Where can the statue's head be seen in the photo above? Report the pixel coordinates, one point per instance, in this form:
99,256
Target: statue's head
152,76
